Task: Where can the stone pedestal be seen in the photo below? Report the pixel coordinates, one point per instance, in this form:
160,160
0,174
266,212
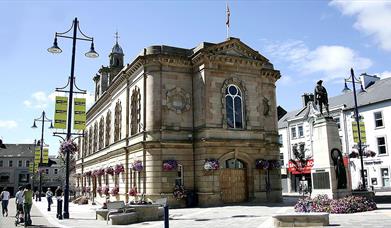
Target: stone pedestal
323,174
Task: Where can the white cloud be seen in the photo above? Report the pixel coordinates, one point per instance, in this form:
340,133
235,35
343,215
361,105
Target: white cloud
37,100
372,18
385,74
332,62
8,124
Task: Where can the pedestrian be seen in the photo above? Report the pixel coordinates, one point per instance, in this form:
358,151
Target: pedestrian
5,196
19,200
58,194
27,204
49,195
36,195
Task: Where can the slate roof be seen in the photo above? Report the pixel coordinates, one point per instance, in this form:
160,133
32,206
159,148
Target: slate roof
378,92
17,150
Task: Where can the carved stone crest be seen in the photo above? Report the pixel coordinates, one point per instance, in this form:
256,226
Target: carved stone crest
178,100
266,106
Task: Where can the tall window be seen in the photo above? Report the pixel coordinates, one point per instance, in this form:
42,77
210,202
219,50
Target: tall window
300,130
234,106
378,119
280,140
90,149
27,163
85,144
1,163
179,177
117,122
338,122
101,132
293,132
20,163
135,111
10,163
95,137
108,128
55,171
381,145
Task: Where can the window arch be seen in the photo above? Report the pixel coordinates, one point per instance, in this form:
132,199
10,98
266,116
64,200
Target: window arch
95,137
135,111
117,122
234,106
108,128
101,132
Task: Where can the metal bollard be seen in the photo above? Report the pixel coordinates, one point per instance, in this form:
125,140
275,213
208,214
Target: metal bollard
166,218
59,209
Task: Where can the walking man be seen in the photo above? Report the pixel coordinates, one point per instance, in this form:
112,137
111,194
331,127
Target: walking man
5,197
58,194
49,195
27,204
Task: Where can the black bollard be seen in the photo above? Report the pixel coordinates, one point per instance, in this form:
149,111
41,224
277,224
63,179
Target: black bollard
59,209
166,219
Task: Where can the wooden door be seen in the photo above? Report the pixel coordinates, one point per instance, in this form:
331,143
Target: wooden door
233,185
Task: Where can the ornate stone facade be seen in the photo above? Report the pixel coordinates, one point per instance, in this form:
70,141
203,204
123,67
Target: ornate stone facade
215,101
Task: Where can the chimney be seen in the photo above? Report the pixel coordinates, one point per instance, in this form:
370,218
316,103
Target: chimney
368,80
307,97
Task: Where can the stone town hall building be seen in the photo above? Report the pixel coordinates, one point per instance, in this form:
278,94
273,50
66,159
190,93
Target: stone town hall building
214,101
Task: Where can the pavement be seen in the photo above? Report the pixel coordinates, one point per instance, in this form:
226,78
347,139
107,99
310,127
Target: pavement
243,216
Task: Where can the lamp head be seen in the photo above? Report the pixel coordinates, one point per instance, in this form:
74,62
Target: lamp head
34,125
92,53
55,49
51,125
346,88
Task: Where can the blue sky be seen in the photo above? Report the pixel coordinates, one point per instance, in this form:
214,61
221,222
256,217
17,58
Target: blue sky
305,40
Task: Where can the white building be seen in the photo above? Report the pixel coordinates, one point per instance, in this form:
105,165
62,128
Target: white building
374,106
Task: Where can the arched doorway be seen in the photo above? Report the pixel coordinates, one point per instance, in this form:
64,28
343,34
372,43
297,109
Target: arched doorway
233,181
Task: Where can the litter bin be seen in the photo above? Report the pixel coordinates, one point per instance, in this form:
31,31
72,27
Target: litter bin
191,199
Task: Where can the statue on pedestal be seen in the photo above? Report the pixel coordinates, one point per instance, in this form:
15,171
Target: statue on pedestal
321,97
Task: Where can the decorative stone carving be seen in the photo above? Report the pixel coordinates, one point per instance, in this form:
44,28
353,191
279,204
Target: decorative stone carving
266,106
178,100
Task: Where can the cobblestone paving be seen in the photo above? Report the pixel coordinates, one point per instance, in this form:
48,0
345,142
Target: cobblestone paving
247,216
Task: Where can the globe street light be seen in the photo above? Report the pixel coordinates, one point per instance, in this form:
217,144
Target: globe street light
91,54
354,80
42,119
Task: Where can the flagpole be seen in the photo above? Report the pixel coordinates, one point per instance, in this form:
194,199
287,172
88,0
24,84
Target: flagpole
227,21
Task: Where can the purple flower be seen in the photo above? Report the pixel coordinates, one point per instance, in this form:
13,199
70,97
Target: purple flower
211,164
137,165
169,165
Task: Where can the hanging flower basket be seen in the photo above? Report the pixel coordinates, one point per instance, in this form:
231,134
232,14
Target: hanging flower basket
179,192
106,190
119,168
353,154
109,170
87,174
133,191
137,166
211,164
169,165
369,153
267,164
98,172
115,191
99,190
86,189
68,147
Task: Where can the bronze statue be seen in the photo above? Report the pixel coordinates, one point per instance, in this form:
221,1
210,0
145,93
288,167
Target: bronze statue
340,171
321,97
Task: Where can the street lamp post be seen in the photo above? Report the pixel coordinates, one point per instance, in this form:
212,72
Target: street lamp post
354,80
91,54
40,143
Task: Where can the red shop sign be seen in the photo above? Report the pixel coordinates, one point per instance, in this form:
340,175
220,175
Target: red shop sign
302,169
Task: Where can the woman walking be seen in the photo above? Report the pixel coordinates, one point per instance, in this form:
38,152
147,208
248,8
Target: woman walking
5,197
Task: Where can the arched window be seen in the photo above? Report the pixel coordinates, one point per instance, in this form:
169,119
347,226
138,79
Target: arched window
117,122
95,137
85,143
108,128
234,164
101,132
91,135
135,111
234,106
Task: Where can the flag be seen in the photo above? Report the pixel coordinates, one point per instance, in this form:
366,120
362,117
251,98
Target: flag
228,15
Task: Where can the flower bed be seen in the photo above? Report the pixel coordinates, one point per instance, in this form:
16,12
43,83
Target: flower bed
179,192
348,204
211,164
133,191
86,190
137,165
169,165
115,191
119,168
